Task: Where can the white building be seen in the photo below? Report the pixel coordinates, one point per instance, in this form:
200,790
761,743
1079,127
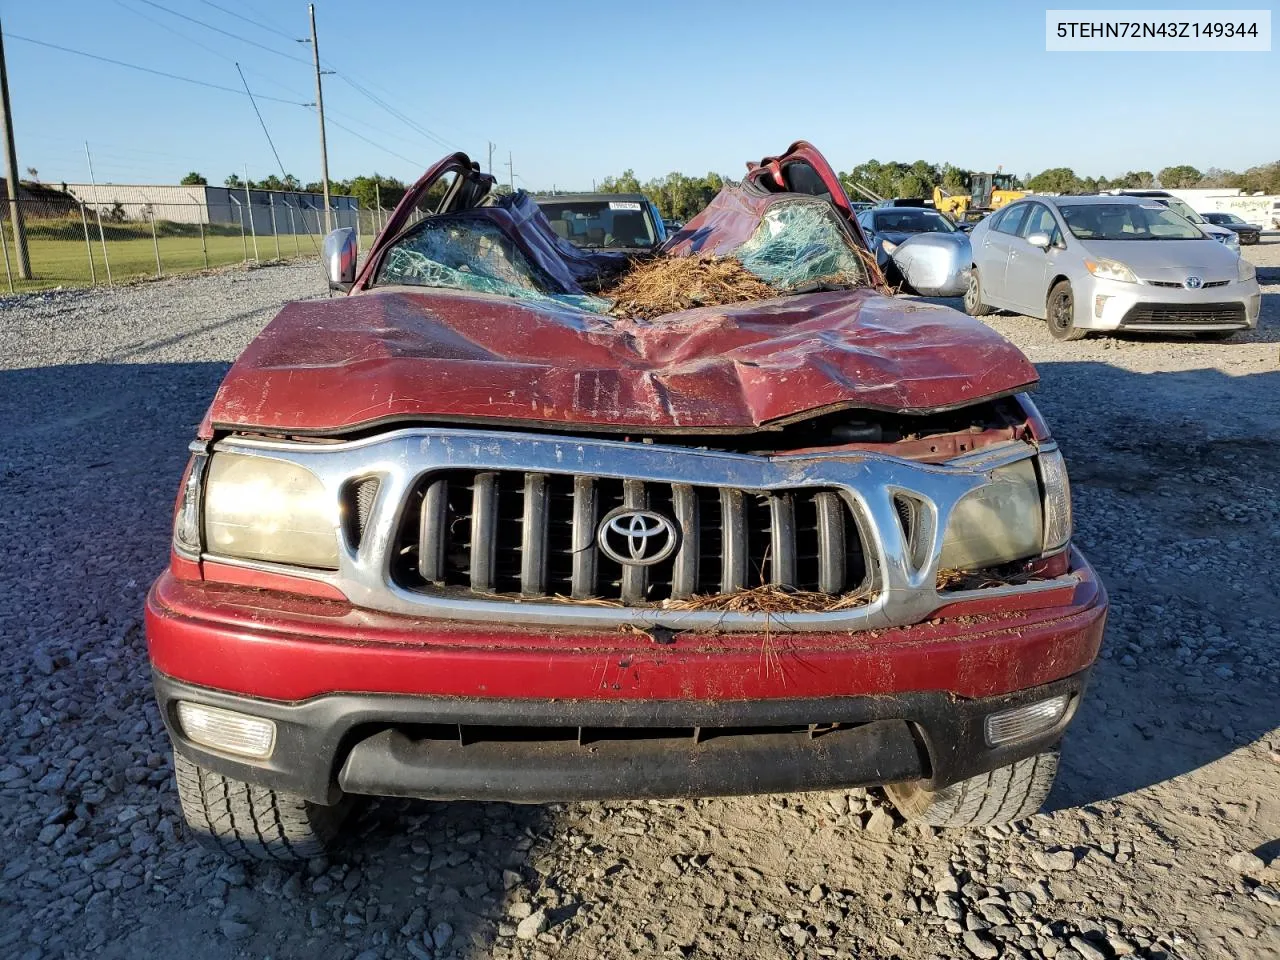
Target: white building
267,211
1258,209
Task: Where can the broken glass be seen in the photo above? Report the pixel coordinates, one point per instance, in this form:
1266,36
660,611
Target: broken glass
799,243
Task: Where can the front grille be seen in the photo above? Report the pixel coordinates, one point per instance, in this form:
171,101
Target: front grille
534,535
1176,284
1143,313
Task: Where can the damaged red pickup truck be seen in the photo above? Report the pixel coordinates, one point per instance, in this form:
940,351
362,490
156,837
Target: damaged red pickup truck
466,534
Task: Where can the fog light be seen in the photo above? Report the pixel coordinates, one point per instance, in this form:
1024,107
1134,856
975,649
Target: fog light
1099,303
227,731
1023,723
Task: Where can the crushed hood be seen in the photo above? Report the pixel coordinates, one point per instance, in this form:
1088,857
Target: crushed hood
405,355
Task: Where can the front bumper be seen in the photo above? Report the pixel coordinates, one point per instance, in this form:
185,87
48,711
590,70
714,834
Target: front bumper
376,703
536,751
1116,311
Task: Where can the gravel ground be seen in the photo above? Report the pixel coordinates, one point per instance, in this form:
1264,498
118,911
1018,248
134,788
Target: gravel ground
1159,840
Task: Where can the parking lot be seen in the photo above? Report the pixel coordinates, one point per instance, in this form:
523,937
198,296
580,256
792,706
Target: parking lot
1158,840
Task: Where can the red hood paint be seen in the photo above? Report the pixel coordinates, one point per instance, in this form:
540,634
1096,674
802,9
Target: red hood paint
330,366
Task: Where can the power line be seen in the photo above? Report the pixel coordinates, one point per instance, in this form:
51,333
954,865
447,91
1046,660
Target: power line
384,93
241,16
270,142
203,46
359,136
380,131
403,118
157,73
225,33
358,87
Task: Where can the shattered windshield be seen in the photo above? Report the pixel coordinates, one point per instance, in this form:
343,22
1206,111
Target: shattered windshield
601,224
799,243
461,252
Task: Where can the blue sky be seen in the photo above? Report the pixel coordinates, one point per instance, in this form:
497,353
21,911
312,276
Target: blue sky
577,91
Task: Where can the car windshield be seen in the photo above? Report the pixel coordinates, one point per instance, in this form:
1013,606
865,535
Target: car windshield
912,221
1127,221
468,252
601,224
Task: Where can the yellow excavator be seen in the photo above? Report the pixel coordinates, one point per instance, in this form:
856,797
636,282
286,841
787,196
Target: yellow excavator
987,192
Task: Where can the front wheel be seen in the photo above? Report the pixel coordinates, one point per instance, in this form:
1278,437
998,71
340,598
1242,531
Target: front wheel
1062,313
1004,795
249,822
973,304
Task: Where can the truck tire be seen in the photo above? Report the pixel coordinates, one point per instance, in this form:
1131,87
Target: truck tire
973,304
1061,311
248,822
1004,795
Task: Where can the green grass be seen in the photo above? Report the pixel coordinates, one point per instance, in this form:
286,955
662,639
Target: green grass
65,262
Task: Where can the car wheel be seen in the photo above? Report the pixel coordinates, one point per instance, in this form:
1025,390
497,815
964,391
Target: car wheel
1004,795
248,822
1216,334
1062,313
973,304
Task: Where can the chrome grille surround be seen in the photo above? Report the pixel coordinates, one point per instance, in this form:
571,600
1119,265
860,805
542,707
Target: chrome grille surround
901,574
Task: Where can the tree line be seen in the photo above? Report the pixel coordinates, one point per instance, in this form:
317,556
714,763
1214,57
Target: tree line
368,190
680,196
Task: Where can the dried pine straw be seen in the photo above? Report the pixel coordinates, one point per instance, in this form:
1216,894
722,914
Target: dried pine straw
769,598
669,284
963,580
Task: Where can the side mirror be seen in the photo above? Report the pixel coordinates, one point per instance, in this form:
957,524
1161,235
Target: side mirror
1040,240
340,253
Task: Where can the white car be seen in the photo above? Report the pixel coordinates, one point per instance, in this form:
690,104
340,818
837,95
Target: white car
1109,263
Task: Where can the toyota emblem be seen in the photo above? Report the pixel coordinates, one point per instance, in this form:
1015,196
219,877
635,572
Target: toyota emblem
1194,283
637,538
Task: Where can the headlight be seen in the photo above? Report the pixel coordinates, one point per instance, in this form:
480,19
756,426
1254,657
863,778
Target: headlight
1245,271
256,508
1107,269
998,523
1232,240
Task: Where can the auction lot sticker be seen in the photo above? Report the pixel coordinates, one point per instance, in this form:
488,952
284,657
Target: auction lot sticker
1158,31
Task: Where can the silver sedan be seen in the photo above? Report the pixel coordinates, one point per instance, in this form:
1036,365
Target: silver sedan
1109,263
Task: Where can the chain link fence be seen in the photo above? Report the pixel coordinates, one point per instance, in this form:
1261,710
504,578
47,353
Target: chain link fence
70,243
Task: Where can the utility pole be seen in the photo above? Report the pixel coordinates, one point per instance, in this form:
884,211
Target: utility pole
248,205
102,236
491,158
511,173
324,150
11,166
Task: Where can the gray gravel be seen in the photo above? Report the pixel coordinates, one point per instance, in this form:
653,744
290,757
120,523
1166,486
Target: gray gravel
1161,839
